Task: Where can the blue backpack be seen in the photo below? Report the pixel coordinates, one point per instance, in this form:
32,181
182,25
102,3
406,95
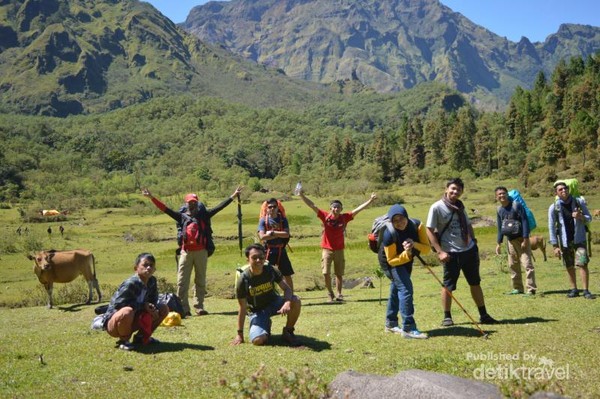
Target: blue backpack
515,195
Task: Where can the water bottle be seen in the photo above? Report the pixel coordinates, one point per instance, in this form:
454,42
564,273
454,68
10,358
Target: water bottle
298,188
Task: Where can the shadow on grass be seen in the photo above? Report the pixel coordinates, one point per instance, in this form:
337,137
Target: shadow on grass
307,343
232,313
170,347
527,320
76,307
459,331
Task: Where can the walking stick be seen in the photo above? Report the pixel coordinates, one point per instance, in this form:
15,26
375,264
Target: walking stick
483,334
239,217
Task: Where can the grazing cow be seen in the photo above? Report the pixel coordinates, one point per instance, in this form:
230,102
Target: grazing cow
596,213
63,267
538,242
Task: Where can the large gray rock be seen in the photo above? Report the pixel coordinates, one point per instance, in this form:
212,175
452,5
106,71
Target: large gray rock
411,384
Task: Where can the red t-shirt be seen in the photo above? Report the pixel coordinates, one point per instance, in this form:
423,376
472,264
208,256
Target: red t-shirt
333,235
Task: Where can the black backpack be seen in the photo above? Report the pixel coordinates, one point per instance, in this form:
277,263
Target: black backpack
173,302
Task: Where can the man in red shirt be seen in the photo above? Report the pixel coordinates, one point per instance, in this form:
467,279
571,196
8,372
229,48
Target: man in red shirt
332,240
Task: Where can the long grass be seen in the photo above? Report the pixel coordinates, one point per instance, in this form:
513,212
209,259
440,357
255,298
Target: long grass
53,353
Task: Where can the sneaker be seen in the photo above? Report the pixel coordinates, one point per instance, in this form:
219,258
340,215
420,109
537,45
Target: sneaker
138,338
331,297
588,295
125,345
395,330
530,294
201,312
414,334
447,322
573,293
487,319
514,292
289,336
340,298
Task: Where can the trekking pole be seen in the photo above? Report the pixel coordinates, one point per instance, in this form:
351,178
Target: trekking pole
483,334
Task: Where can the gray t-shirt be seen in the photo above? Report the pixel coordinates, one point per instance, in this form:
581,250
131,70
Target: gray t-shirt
452,241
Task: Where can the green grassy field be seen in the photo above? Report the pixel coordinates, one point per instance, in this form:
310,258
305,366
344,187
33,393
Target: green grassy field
550,338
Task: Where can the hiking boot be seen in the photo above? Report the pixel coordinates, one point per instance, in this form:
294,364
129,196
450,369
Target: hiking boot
414,334
487,319
201,312
514,292
289,336
588,295
447,322
395,330
125,345
573,293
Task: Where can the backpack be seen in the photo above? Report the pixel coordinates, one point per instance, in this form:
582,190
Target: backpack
375,237
173,302
515,195
182,228
573,185
263,215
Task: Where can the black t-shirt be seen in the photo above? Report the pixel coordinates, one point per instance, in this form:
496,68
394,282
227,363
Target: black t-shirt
258,290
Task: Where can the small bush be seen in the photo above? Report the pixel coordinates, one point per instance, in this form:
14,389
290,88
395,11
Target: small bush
285,385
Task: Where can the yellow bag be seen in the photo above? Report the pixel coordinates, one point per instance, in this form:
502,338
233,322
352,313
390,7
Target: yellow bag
173,319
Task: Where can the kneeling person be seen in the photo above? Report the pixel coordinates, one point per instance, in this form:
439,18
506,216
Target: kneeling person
256,295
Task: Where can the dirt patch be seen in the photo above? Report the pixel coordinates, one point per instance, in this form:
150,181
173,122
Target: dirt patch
482,221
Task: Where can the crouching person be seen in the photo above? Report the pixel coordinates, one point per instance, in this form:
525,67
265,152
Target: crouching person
134,306
256,295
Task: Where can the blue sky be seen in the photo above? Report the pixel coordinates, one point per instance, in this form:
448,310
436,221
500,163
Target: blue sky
535,19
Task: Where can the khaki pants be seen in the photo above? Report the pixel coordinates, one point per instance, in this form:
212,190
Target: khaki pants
517,258
188,261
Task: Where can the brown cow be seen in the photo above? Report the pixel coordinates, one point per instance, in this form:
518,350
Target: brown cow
538,242
63,267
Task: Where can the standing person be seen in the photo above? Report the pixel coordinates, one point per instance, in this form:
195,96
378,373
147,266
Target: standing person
196,244
399,246
255,292
456,248
512,222
274,231
332,240
134,306
566,223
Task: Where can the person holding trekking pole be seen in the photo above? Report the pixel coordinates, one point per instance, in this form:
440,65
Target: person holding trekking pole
406,239
332,240
566,225
452,236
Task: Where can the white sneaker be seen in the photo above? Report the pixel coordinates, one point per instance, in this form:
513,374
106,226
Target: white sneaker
414,334
395,330
125,345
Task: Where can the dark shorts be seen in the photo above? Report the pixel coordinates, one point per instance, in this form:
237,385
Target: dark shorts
575,255
279,257
468,262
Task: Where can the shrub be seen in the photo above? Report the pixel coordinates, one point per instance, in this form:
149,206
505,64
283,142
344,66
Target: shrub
285,385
